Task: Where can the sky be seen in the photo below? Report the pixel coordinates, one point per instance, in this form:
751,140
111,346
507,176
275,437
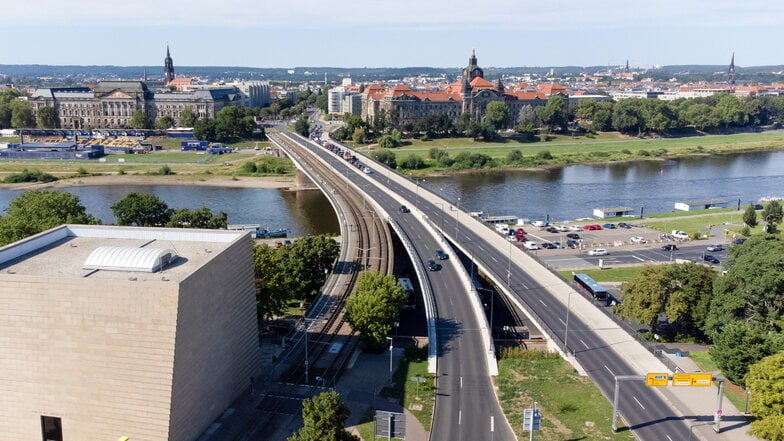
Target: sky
392,33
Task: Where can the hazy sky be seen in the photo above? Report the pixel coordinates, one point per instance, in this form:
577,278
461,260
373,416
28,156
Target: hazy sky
395,33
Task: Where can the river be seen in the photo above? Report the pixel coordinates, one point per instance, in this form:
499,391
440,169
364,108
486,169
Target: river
564,193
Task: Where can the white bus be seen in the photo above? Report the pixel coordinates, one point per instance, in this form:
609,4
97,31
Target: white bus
408,287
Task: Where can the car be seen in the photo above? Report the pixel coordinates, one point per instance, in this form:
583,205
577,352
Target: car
609,226
624,225
441,254
540,223
367,170
561,228
592,227
549,245
680,234
738,241
598,252
715,247
551,230
574,236
519,232
710,258
432,265
571,243
404,209
669,247
531,245
575,228
639,239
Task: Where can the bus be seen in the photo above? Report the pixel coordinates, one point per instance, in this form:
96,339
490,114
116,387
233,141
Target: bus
591,287
408,287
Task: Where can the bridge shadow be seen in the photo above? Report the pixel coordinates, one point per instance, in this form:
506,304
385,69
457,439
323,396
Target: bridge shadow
343,267
448,330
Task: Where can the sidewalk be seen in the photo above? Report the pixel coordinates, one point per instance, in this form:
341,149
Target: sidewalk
698,407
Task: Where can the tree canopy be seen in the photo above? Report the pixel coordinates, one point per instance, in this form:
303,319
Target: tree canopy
34,211
497,114
741,344
324,417
765,379
374,306
141,209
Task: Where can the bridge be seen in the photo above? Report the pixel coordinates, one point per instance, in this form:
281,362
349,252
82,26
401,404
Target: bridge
462,353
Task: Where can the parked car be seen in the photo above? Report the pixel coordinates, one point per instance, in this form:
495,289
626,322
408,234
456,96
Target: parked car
592,227
551,230
738,241
404,209
432,265
575,228
573,236
598,252
441,254
679,234
669,247
624,225
549,245
710,258
531,245
561,228
639,239
715,247
571,243
540,223
609,226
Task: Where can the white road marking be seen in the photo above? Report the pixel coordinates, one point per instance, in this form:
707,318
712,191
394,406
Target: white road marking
542,302
459,417
461,382
668,437
638,402
608,370
562,322
494,259
584,344
639,258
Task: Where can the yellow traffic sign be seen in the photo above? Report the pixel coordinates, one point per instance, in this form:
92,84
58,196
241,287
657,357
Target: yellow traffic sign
694,379
657,379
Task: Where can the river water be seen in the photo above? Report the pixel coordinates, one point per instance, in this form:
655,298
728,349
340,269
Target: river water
565,193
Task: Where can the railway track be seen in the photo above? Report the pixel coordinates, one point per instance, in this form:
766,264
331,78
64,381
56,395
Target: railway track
326,339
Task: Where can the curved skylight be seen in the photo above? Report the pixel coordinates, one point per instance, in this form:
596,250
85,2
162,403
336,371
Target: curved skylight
129,259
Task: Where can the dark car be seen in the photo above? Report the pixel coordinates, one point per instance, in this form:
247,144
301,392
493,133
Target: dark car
710,258
573,236
738,241
571,243
432,265
549,245
404,209
441,254
716,247
624,225
669,247
551,230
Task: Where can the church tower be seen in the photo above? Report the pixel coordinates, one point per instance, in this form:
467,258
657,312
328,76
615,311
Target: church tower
168,67
731,71
472,70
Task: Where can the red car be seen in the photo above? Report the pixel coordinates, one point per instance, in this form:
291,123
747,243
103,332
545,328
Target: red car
592,227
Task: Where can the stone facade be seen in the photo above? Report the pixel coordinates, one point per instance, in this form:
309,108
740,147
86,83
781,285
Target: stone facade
470,95
113,352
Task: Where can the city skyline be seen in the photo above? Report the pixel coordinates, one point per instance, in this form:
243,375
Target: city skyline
406,33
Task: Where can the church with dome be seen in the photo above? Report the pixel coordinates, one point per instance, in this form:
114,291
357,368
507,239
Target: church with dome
469,95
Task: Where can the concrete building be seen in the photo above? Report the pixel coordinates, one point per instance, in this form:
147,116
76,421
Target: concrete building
107,331
352,104
335,99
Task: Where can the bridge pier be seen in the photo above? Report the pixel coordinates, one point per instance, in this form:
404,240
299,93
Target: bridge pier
303,182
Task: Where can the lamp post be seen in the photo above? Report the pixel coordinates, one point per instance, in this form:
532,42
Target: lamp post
391,347
457,215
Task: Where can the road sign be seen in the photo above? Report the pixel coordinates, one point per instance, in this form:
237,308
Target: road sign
418,379
694,379
657,379
532,414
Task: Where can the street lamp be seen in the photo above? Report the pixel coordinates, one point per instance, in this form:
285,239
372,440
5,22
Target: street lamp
457,215
391,347
416,201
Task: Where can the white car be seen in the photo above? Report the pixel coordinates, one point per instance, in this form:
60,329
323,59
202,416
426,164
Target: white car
575,228
367,170
598,252
639,239
561,228
531,245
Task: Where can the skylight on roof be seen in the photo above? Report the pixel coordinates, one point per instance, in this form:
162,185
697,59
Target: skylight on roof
148,260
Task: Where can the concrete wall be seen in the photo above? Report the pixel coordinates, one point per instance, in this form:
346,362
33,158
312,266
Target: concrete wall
97,353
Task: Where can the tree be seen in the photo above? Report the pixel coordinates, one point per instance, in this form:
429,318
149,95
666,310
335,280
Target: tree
751,289
187,118
413,162
22,114
358,135
324,417
730,110
740,344
138,120
497,114
302,125
140,209
34,211
204,129
750,216
198,218
307,263
681,292
766,401
374,306
772,214
386,157
701,116
272,293
553,114
164,122
627,117
46,117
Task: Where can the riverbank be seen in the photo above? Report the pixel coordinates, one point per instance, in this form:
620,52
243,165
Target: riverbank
271,182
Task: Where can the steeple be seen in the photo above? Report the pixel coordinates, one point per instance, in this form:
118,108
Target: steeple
731,71
626,69
500,87
168,67
472,70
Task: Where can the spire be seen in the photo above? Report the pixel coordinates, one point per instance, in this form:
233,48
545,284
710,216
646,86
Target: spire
626,69
731,71
500,87
168,67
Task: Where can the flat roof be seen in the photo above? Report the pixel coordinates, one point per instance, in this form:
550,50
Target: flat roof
63,251
705,202
615,209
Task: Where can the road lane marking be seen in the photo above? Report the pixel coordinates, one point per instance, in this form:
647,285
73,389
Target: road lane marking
459,417
608,370
668,437
638,402
562,322
639,258
461,382
584,344
542,302
494,259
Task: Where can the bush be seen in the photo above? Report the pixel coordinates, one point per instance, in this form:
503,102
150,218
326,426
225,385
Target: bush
519,353
644,153
81,171
165,171
29,176
249,167
546,155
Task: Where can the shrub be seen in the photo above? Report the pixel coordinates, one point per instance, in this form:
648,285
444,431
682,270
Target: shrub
546,155
29,176
644,153
165,171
